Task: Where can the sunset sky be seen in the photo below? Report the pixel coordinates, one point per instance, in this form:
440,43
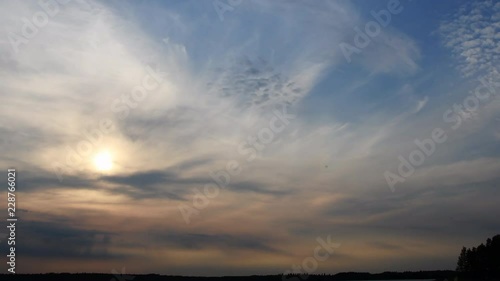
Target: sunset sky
226,137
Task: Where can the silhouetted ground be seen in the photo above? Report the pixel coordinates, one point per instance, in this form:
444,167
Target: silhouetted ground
435,275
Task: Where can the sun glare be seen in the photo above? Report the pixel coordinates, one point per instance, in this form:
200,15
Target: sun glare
103,161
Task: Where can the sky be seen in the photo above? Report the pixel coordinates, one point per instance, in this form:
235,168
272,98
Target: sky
234,137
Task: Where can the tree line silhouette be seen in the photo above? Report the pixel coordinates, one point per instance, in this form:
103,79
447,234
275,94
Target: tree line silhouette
482,261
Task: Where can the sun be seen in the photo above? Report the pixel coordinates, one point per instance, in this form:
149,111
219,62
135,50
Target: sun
103,161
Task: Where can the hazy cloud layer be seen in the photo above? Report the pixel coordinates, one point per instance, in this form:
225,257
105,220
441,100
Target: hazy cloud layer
212,88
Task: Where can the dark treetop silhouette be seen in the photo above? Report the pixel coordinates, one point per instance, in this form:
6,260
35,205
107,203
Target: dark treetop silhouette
482,261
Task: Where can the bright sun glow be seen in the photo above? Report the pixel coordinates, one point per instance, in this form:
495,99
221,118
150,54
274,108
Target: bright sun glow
103,161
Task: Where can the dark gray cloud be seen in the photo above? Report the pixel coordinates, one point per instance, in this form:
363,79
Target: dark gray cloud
60,240
193,163
155,184
148,184
255,187
31,182
223,242
144,179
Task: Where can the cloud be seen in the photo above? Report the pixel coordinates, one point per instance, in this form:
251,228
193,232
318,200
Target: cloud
257,188
421,104
472,35
221,242
54,240
392,52
220,82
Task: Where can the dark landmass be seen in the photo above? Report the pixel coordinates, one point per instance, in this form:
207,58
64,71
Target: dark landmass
434,275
